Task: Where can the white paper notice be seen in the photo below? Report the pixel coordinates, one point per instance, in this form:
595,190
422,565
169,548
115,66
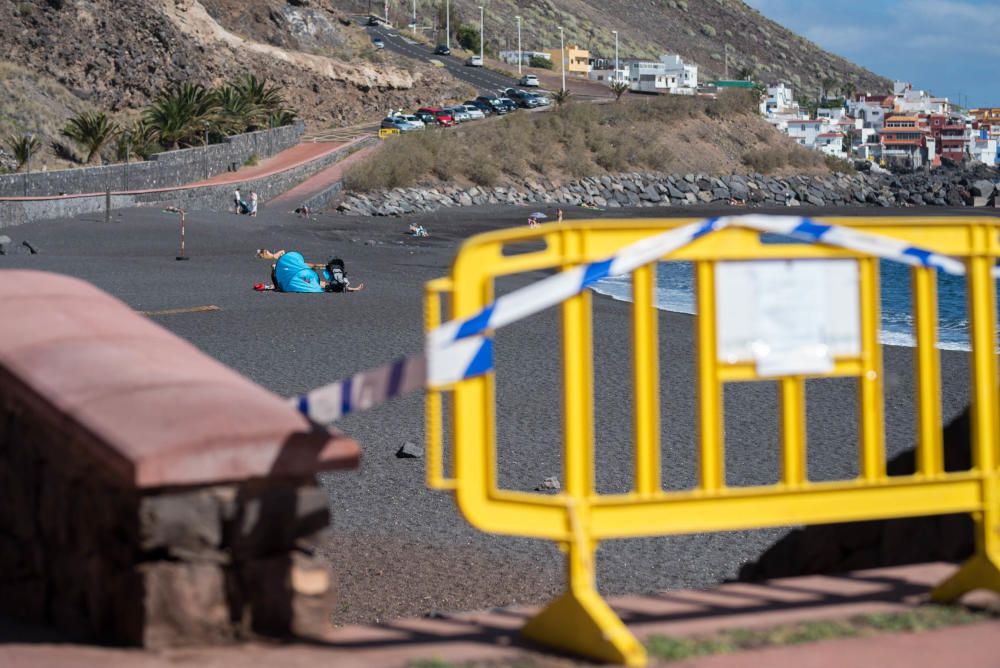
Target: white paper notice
789,317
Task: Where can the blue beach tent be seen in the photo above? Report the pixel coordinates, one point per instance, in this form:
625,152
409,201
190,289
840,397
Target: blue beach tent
292,274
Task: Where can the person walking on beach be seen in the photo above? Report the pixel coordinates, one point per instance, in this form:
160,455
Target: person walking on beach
559,215
253,204
236,202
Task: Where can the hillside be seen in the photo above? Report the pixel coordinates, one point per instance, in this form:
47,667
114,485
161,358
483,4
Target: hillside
62,56
696,29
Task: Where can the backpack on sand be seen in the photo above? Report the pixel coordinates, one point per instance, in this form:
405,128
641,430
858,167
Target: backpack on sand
337,281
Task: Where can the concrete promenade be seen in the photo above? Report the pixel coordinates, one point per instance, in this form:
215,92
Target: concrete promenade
491,638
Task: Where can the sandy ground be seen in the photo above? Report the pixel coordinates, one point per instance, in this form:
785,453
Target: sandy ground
400,549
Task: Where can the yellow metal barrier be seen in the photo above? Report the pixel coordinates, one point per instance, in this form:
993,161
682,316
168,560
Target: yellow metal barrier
579,518
387,132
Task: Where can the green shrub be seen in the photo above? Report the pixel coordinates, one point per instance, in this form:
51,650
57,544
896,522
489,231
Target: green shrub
707,30
252,161
543,63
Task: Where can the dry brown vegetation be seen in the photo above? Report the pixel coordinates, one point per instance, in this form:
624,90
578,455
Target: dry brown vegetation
667,133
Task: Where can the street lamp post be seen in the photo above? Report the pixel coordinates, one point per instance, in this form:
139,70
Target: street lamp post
414,17
128,146
562,56
205,146
615,78
31,140
518,44
482,15
447,24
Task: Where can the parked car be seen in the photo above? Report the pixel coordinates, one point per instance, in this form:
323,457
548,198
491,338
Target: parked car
427,117
378,43
474,112
529,80
442,117
474,61
524,98
459,113
398,123
496,105
543,100
442,50
411,118
373,20
510,104
484,107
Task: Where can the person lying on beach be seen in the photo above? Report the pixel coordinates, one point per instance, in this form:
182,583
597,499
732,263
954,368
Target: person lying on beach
291,273
418,230
266,254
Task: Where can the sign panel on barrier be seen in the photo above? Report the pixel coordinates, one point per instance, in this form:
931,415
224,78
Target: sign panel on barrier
788,317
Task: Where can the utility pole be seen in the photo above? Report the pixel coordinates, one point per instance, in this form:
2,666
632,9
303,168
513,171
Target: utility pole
725,50
615,77
414,17
518,44
447,24
482,16
562,56
31,140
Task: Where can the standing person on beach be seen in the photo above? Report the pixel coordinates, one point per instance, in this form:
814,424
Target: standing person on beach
236,202
253,204
559,215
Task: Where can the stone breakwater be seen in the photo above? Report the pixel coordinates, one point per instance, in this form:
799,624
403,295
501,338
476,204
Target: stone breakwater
951,188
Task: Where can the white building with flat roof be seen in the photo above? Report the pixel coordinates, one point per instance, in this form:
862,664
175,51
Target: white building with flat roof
685,74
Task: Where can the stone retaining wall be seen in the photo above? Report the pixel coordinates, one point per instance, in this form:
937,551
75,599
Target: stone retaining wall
162,170
942,188
204,198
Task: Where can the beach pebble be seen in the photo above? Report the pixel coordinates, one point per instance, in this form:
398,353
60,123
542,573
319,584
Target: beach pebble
410,450
550,484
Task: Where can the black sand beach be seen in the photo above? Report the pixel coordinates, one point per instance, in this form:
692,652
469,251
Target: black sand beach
398,548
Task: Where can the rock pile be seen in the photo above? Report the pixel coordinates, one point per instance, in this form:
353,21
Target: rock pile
940,188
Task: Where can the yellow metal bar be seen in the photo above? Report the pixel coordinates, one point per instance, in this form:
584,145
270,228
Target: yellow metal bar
646,380
712,474
436,479
930,455
793,432
578,396
982,332
870,409
747,371
815,503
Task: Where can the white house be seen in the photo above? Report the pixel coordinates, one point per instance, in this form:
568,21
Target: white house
805,131
685,74
650,77
780,100
833,113
510,57
608,75
984,150
909,101
831,143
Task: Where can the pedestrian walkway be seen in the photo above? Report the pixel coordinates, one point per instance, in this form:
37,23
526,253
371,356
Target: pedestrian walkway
492,636
319,182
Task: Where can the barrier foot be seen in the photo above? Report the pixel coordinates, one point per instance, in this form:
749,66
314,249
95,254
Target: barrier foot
581,623
979,572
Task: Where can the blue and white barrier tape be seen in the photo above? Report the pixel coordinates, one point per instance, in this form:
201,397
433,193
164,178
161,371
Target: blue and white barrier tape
462,349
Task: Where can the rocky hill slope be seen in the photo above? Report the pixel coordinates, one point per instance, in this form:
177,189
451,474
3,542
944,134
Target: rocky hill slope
60,56
702,31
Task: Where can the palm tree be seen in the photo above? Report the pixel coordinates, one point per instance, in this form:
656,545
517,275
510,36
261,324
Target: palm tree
237,112
260,94
281,118
137,139
746,73
849,89
619,88
23,147
91,130
180,116
562,96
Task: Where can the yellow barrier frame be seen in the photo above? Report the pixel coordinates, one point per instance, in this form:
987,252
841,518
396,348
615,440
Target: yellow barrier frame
387,132
578,518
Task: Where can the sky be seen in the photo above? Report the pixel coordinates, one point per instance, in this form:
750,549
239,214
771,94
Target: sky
947,47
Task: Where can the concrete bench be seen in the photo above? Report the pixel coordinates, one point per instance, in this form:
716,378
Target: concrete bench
150,495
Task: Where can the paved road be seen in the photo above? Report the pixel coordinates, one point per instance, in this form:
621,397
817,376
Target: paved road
484,80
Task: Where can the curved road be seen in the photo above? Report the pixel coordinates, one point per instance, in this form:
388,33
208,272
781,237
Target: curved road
482,79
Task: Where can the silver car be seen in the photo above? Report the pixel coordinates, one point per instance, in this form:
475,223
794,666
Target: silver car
475,113
459,113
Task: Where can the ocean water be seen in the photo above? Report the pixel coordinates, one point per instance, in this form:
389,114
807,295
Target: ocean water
675,292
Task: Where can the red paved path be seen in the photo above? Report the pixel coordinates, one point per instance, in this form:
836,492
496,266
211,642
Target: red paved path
318,182
488,636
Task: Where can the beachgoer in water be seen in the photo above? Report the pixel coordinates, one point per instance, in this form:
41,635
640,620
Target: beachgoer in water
237,200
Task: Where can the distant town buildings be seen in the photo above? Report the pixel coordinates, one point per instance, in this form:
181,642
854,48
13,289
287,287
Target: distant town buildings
510,57
905,129
577,60
669,74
